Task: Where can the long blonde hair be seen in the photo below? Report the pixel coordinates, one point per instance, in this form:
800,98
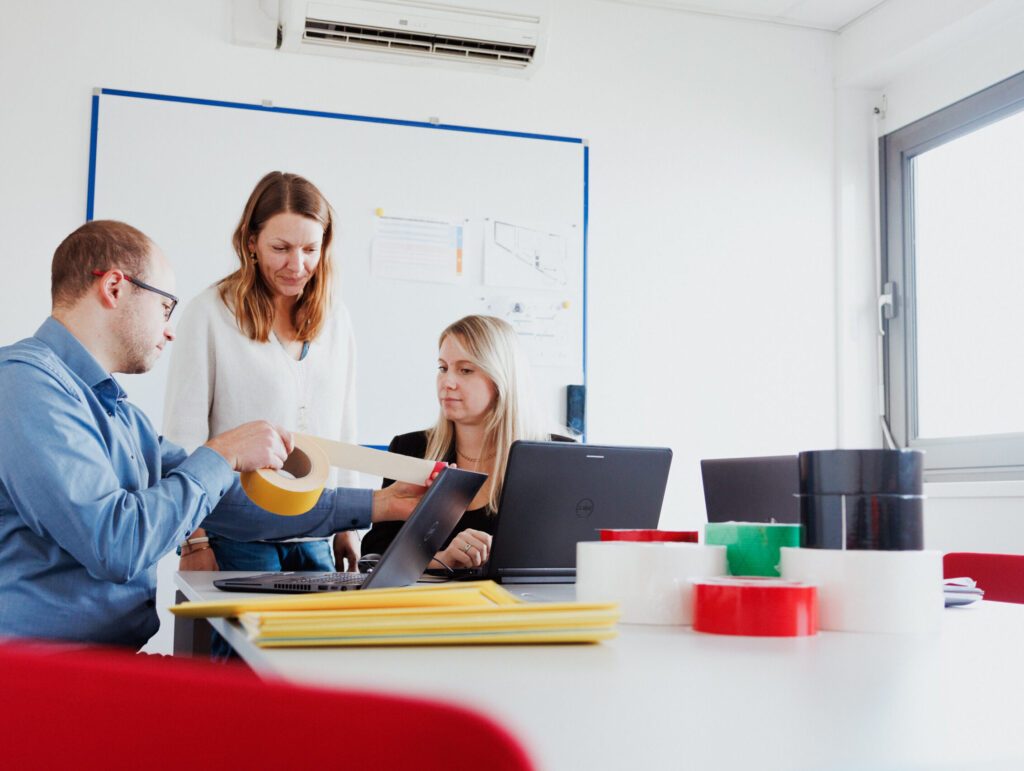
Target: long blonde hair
492,345
246,292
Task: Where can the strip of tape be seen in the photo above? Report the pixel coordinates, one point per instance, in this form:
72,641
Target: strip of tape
650,581
755,607
892,592
753,547
308,467
884,522
677,536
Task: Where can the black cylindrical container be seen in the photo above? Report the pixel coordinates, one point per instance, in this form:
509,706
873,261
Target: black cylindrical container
862,499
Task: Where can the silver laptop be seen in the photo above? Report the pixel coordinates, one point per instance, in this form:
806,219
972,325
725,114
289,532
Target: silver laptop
759,489
404,560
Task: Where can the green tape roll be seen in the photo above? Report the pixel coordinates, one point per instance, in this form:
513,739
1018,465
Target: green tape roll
752,548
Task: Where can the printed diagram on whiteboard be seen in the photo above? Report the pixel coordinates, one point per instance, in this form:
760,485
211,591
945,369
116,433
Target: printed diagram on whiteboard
542,324
531,283
417,249
525,275
523,257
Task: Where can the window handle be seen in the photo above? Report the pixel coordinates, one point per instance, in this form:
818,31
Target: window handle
886,305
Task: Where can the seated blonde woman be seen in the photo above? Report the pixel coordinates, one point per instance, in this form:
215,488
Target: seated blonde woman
486,405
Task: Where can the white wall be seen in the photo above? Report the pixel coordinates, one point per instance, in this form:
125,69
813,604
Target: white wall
712,241
858,396
927,54
922,55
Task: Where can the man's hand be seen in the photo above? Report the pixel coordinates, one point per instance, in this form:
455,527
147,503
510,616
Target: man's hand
253,446
346,547
396,501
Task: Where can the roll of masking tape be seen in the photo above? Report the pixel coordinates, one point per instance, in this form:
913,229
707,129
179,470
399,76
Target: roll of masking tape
652,582
895,592
756,607
307,468
753,547
678,536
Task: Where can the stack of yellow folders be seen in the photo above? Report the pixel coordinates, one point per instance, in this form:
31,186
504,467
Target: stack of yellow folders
434,614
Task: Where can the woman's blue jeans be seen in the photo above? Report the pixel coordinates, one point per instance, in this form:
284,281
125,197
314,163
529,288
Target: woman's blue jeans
267,558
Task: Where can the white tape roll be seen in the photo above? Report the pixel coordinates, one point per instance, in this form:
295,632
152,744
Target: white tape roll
650,581
892,592
389,465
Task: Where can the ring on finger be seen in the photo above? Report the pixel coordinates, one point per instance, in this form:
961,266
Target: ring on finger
467,547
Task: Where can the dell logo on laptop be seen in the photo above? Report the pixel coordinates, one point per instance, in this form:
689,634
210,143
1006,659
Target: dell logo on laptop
584,508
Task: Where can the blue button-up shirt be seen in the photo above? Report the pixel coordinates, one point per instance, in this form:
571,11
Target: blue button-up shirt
91,498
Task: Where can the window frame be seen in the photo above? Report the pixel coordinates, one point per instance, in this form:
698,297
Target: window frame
964,458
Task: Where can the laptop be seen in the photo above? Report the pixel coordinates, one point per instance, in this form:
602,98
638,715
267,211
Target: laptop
404,561
760,489
559,493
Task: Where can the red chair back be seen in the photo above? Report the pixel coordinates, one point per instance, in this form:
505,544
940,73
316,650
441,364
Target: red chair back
68,707
1000,575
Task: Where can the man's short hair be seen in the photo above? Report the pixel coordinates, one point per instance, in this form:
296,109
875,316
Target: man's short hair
97,245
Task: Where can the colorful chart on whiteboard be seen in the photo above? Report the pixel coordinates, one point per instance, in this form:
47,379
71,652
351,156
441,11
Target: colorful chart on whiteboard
417,249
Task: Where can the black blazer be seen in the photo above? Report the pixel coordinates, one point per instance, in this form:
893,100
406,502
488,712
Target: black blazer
382,534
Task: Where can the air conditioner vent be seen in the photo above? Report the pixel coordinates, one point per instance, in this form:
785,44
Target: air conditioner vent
349,35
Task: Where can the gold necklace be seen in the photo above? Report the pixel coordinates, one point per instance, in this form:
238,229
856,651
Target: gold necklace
472,460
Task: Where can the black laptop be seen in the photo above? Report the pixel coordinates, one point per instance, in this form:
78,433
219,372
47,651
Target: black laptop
559,493
759,489
404,561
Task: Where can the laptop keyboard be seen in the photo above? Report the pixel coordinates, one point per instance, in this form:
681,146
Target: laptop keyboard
331,578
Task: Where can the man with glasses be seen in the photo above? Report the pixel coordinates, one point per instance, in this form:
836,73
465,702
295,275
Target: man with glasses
90,496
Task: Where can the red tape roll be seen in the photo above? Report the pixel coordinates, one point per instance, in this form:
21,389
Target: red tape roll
757,607
675,536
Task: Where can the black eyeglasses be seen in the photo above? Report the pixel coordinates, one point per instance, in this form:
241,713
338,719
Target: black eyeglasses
147,287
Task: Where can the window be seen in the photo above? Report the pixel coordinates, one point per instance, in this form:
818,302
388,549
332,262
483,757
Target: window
953,260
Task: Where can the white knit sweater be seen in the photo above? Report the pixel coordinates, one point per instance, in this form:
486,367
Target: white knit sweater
219,379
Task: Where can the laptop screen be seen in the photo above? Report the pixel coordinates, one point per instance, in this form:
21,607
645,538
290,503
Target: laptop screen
428,527
559,493
759,489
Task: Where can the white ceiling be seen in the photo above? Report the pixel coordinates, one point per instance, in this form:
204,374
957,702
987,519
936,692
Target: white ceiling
830,15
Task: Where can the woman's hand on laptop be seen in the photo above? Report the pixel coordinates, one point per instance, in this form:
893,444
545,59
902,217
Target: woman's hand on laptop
469,549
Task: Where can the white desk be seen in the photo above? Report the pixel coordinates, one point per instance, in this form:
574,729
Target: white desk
667,697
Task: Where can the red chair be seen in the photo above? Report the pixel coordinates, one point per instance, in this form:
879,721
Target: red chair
1000,575
90,708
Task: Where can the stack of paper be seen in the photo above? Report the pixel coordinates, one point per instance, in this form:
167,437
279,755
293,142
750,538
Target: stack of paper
438,614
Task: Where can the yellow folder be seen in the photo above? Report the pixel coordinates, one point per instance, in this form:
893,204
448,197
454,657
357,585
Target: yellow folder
471,593
460,625
524,637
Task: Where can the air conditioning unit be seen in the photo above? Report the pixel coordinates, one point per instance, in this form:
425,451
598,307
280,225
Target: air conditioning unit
497,34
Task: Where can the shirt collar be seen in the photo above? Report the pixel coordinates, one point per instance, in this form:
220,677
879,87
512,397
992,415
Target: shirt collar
77,359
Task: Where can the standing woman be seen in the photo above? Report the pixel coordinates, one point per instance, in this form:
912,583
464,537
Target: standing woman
268,343
486,403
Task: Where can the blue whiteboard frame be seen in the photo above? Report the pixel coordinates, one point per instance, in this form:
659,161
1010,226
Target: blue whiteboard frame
94,137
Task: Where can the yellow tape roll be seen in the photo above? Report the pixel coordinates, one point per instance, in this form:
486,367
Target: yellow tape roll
297,492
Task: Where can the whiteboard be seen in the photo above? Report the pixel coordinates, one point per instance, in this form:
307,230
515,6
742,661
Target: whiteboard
181,170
